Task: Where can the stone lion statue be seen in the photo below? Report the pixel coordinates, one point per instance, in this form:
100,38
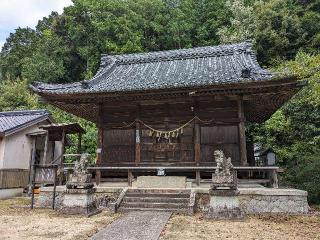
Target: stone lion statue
223,163
80,167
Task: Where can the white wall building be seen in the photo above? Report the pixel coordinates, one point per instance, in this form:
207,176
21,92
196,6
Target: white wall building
19,135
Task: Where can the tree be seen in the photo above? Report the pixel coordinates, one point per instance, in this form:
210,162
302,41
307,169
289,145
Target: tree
18,46
46,64
14,96
242,23
293,132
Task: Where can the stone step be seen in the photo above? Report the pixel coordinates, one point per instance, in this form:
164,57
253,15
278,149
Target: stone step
159,195
155,199
181,210
153,205
159,191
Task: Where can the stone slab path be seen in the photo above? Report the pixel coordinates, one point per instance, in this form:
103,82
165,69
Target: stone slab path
135,226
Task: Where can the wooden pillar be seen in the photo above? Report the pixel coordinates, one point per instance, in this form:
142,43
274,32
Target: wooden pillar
130,178
138,147
79,143
242,134
100,139
198,177
63,141
99,154
32,162
45,150
197,140
274,178
197,147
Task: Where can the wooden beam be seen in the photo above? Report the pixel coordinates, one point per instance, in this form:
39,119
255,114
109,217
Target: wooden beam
242,134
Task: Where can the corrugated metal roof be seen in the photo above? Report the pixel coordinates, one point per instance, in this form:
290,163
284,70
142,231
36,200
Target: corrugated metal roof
195,67
15,120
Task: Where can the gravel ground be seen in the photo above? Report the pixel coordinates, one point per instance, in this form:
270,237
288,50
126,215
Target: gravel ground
19,222
254,227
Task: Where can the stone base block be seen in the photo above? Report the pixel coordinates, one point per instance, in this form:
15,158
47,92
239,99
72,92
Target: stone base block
161,182
224,208
79,201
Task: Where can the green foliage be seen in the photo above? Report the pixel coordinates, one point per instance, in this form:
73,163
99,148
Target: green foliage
14,96
242,23
17,46
306,175
46,63
279,28
293,132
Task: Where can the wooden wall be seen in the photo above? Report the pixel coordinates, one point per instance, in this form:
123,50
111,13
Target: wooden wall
13,178
120,145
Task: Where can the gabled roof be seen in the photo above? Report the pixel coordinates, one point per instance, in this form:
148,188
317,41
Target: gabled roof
11,122
174,69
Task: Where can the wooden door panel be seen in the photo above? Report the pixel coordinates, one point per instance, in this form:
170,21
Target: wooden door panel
119,146
219,137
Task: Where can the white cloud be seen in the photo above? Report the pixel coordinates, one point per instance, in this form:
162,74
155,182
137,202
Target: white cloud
23,13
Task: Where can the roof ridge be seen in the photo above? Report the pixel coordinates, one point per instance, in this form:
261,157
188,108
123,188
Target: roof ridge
185,53
24,112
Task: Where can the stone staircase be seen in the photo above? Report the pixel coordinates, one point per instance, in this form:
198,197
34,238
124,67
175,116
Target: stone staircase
173,200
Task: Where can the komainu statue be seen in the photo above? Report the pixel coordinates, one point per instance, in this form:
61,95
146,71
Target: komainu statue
222,163
224,202
80,167
81,178
224,176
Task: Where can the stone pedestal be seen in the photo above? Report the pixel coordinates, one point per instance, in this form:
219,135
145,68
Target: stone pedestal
79,201
224,204
80,181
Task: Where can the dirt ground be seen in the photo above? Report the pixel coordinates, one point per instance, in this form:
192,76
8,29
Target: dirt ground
17,221
253,227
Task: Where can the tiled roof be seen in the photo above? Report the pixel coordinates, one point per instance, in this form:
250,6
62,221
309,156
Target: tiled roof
183,68
11,122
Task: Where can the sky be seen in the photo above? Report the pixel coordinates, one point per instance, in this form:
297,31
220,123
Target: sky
23,13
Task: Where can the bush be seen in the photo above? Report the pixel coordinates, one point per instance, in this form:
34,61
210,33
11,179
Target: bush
306,176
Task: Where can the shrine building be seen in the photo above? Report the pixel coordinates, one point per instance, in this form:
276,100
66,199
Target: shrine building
174,108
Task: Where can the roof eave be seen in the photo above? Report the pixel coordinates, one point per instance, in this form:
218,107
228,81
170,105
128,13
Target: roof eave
25,125
293,80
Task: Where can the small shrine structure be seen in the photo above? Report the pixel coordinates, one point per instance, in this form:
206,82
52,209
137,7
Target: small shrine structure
174,108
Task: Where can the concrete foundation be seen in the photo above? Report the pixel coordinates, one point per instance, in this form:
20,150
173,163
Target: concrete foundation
264,200
10,193
253,200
